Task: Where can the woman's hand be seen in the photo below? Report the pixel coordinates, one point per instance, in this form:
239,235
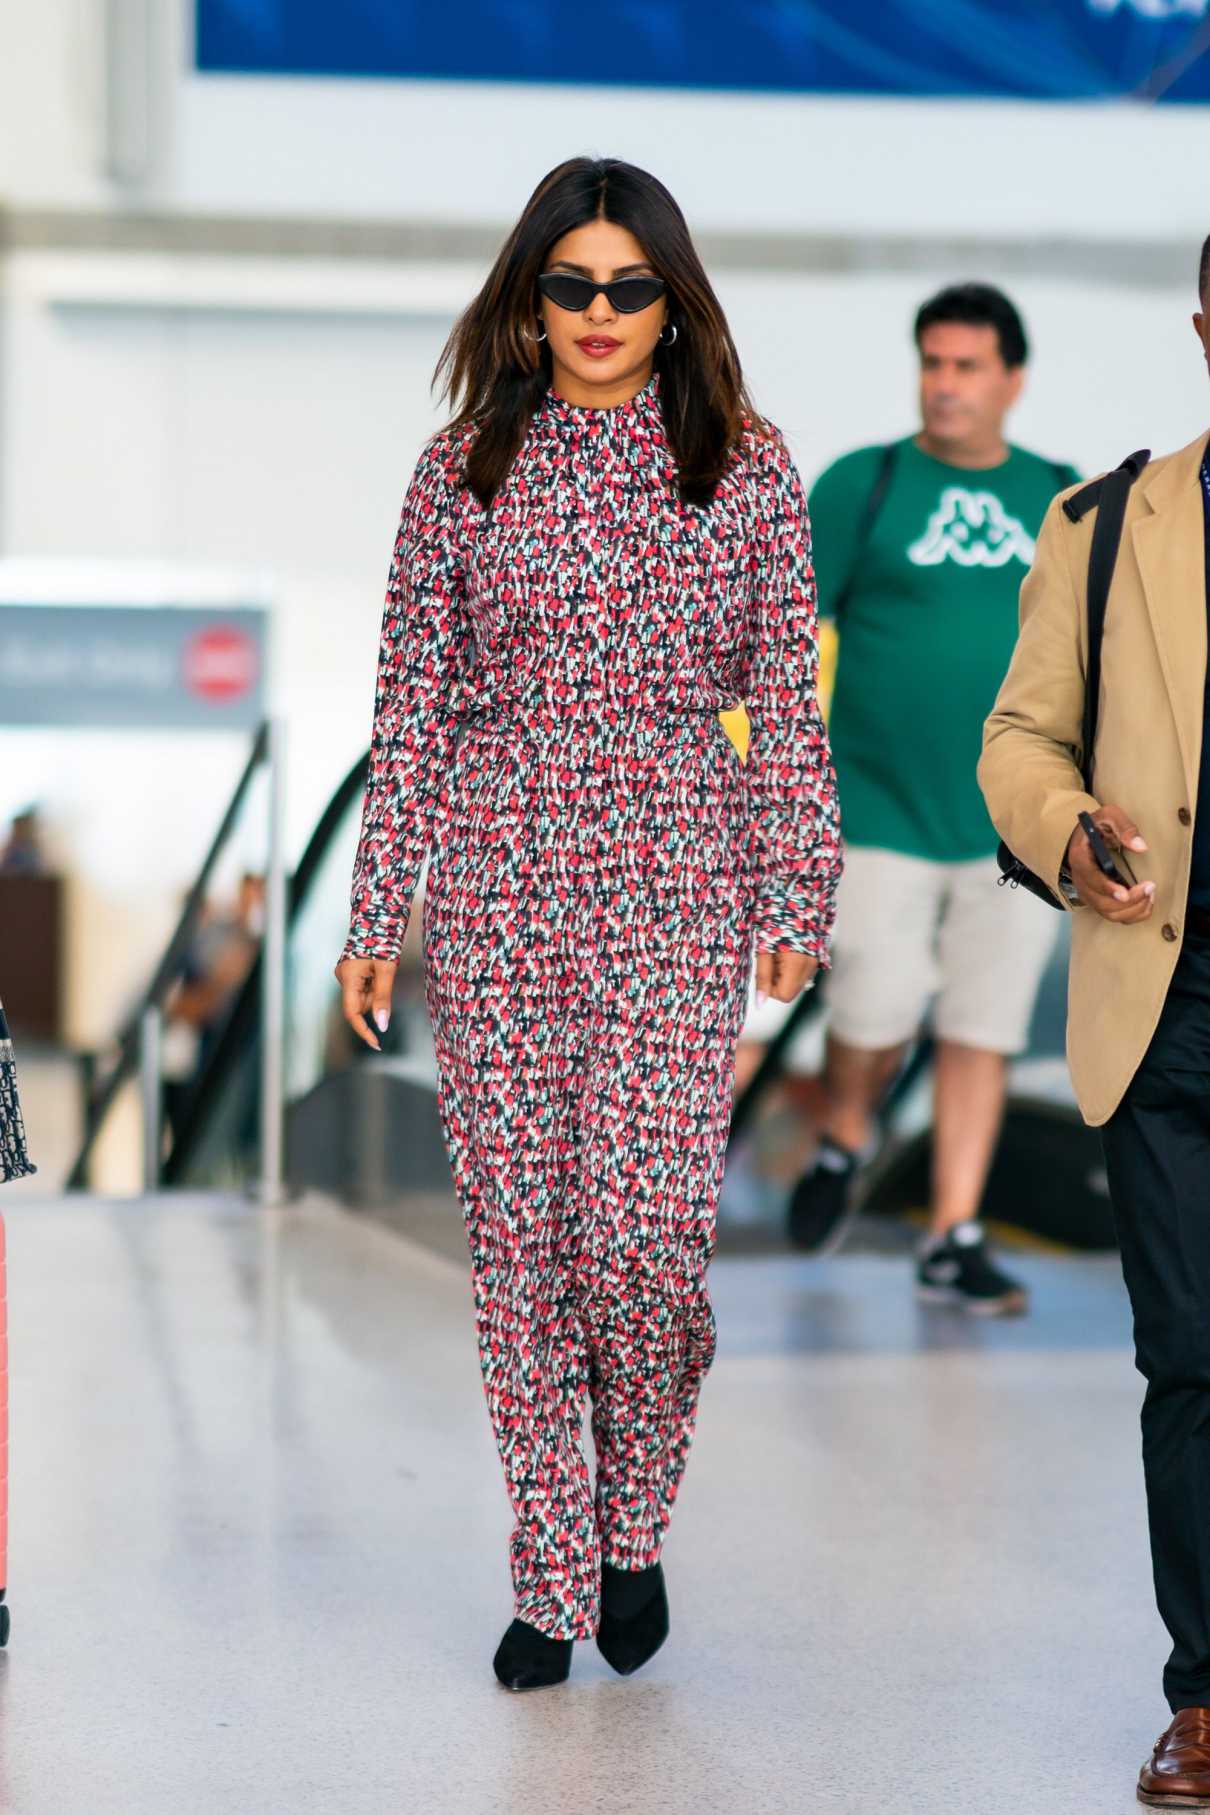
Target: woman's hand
366,985
783,974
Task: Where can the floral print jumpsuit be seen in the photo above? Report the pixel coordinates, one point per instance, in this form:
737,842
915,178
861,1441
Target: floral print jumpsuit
546,731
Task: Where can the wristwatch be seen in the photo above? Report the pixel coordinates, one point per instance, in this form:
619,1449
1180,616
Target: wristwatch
1067,888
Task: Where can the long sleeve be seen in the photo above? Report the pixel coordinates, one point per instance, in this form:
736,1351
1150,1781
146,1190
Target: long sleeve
791,781
423,633
1029,771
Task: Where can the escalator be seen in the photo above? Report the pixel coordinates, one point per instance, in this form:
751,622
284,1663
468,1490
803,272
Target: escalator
359,1125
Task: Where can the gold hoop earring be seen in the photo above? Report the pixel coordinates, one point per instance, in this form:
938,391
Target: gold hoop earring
535,337
671,341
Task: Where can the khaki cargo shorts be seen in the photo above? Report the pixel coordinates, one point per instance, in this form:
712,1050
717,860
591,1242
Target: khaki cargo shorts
910,933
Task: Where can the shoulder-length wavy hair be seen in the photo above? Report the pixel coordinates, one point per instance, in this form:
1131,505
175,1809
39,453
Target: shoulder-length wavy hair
495,375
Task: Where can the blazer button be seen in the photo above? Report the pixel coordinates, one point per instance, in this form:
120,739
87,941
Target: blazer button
1185,816
1169,931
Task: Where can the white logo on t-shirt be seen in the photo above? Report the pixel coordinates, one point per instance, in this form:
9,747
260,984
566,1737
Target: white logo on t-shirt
974,529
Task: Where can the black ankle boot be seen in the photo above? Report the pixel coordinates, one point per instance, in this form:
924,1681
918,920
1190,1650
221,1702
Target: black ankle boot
527,1659
634,1616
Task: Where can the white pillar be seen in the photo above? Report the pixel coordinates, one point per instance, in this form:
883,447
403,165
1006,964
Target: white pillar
273,980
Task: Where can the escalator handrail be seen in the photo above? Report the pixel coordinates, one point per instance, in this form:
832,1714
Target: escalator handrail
773,1059
243,1019
169,967
773,1063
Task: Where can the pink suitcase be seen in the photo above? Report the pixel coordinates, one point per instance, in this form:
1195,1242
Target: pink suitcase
4,1618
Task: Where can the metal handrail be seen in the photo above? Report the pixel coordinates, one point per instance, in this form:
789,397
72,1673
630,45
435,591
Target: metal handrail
773,1063
773,1059
241,1024
135,1034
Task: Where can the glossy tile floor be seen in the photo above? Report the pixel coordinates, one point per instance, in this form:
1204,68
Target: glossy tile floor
258,1543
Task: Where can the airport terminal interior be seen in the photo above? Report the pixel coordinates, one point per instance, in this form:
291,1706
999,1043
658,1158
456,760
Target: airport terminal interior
257,1544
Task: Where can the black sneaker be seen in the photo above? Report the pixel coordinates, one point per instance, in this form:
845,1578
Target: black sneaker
957,1269
821,1204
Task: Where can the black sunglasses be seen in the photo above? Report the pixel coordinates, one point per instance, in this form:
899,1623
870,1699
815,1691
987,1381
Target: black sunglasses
626,294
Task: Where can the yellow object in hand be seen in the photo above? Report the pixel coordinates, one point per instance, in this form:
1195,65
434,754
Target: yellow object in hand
735,720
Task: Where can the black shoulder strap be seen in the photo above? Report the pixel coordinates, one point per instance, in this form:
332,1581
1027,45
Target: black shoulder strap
1108,496
869,516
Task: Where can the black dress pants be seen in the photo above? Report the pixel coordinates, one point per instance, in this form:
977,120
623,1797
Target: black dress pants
1157,1150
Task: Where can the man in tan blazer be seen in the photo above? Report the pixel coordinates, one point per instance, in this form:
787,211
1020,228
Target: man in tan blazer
1139,994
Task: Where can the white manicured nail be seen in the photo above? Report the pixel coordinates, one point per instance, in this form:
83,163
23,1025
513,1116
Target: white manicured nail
762,996
382,1019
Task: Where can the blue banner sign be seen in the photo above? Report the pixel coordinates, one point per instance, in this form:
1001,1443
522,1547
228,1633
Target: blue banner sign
1044,50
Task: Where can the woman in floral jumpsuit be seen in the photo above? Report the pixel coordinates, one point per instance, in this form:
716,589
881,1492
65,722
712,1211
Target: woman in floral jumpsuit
554,658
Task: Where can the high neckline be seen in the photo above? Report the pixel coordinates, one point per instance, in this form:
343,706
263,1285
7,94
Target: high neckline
608,415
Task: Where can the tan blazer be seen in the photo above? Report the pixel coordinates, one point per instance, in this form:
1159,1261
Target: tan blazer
1146,756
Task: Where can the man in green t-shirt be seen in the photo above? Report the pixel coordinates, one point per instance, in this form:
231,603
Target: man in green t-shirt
920,550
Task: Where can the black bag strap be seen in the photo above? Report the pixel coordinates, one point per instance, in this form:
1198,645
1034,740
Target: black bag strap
887,458
1109,497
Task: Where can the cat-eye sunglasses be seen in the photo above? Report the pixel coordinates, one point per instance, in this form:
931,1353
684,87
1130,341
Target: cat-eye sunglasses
626,294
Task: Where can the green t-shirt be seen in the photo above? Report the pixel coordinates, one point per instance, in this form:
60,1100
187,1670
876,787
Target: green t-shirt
926,633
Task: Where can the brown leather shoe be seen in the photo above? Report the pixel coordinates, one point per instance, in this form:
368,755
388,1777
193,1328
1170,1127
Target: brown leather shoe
1177,1775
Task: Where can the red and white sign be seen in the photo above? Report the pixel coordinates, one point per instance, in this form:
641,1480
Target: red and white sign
221,663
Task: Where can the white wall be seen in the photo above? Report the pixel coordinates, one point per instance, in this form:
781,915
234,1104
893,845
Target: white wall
755,162
51,102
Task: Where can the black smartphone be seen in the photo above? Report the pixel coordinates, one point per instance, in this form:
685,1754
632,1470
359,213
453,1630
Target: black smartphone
1110,863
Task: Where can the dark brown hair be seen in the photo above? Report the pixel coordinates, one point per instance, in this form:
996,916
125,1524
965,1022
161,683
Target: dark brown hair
978,306
1203,270
495,376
